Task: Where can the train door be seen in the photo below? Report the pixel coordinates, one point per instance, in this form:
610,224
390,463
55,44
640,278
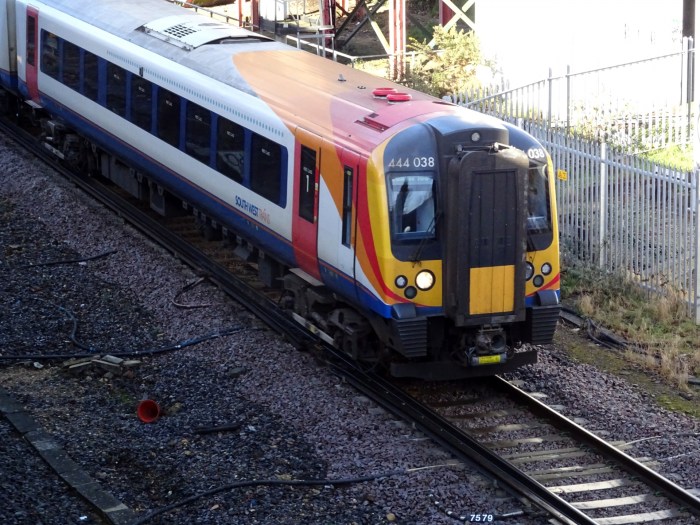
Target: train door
346,246
305,209
336,214
32,53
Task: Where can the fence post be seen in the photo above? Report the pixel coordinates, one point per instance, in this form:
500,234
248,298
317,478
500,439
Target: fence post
549,102
689,48
568,98
696,197
603,205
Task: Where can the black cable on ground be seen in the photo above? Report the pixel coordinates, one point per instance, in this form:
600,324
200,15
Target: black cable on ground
189,286
68,261
136,353
266,482
597,334
74,321
605,337
219,428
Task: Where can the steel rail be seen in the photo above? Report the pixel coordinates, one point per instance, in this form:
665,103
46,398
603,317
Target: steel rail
648,476
457,442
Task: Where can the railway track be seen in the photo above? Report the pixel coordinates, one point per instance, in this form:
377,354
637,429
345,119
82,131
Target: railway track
462,424
576,467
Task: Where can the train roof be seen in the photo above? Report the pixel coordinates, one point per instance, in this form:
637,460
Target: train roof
316,90
123,17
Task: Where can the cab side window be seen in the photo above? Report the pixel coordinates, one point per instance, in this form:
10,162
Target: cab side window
307,183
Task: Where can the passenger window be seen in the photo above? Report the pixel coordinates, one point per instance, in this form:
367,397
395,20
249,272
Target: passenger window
168,117
71,65
141,102
49,54
90,75
307,183
198,132
230,149
116,89
266,168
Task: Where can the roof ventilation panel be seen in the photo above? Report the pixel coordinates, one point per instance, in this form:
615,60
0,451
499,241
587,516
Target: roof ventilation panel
191,31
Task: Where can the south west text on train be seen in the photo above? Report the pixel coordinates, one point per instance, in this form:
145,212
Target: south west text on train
412,232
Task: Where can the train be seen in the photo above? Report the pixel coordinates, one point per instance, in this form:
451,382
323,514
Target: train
412,233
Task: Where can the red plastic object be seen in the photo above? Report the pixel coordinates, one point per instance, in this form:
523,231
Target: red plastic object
148,411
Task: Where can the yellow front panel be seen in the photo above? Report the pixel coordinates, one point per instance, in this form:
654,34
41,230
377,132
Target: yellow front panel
491,289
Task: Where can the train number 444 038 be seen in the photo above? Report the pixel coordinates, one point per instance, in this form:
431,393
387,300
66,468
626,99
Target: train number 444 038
412,162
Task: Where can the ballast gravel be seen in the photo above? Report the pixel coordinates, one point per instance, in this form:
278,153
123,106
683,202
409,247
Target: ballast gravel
281,416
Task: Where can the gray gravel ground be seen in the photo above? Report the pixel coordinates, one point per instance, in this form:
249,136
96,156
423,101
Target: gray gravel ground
297,421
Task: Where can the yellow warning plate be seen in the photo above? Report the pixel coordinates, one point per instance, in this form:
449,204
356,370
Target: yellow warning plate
489,359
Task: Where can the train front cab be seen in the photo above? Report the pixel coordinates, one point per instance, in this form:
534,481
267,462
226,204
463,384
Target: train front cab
489,225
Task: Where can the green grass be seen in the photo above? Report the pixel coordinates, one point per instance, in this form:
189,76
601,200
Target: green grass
661,336
679,157
620,364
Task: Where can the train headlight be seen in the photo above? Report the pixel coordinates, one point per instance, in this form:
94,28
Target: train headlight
546,269
425,280
538,281
476,136
401,281
529,271
410,292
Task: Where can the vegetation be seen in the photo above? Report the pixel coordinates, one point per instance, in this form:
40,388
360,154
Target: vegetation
660,335
676,156
452,69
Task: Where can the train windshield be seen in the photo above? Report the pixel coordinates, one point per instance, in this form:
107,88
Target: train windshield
412,205
539,224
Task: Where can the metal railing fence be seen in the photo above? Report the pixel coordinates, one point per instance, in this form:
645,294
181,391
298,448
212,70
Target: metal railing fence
640,105
627,215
